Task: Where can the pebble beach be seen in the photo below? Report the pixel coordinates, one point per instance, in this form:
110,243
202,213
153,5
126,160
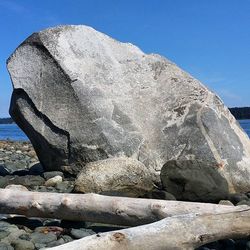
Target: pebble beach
20,169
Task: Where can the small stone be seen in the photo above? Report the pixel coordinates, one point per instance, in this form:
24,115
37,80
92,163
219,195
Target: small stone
23,245
67,169
45,189
6,226
81,233
33,160
51,174
56,243
41,238
40,189
3,234
13,236
27,181
226,202
53,181
40,246
5,246
25,237
16,187
31,153
243,202
236,198
3,182
66,238
25,147
14,166
65,187
6,229
51,189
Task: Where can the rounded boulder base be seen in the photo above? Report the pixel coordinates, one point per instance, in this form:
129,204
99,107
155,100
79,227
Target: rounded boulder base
115,176
194,180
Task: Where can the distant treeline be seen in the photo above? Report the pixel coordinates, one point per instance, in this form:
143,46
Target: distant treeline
6,121
241,113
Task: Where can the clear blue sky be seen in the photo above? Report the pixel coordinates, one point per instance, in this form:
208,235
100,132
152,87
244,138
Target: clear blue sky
208,38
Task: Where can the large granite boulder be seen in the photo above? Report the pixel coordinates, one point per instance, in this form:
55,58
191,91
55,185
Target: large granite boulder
81,96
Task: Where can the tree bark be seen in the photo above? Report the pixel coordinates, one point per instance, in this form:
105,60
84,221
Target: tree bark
183,232
98,208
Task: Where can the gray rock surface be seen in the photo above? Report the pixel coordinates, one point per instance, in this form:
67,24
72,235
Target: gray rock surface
56,243
41,238
244,202
237,197
53,181
115,176
27,181
5,246
81,96
226,202
194,180
23,245
17,187
65,187
51,174
81,233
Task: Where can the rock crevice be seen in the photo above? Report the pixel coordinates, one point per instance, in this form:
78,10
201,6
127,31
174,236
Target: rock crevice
21,100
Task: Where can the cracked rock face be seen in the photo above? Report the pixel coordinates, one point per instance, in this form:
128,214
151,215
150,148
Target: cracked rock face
81,96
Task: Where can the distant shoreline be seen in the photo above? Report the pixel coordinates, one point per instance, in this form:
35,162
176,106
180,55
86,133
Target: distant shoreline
240,113
8,120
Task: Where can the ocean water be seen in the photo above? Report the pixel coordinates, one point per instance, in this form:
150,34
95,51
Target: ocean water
245,124
14,133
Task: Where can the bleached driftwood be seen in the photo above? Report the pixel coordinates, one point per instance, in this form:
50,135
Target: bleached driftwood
185,225
98,208
183,232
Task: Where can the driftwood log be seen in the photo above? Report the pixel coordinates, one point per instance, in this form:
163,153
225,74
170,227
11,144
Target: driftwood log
183,232
174,224
98,208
